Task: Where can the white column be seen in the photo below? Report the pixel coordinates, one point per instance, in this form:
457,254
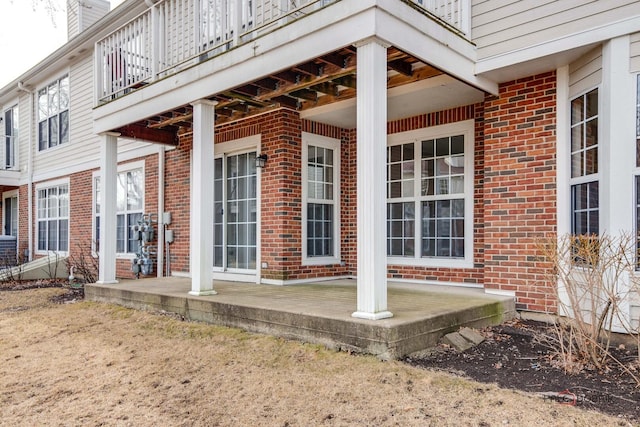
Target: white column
108,195
371,162
617,160
617,138
201,253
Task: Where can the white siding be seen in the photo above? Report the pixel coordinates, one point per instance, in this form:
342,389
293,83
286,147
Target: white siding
83,150
500,26
92,11
73,25
25,122
585,73
634,64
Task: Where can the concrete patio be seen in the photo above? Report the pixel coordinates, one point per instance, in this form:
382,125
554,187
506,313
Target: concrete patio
319,312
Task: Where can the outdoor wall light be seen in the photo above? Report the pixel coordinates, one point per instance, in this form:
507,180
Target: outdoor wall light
261,160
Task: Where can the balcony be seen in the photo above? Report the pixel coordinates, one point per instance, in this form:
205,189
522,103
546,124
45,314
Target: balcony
176,34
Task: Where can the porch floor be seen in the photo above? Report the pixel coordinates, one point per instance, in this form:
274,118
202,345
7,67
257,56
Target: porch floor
319,312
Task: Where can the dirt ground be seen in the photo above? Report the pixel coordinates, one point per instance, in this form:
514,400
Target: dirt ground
81,363
516,355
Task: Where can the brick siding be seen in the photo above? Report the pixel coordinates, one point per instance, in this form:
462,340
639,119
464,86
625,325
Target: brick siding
520,187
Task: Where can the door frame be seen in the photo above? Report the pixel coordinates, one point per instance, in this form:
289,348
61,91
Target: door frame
231,148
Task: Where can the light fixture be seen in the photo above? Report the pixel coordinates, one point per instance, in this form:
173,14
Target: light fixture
261,160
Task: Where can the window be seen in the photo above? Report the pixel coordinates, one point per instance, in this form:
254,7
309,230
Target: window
430,195
129,207
53,218
584,164
10,136
321,189
53,114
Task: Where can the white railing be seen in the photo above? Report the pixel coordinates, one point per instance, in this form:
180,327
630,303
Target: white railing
174,34
456,13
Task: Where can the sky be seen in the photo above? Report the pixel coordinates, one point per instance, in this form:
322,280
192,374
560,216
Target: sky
28,34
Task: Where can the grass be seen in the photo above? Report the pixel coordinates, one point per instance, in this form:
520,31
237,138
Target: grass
95,364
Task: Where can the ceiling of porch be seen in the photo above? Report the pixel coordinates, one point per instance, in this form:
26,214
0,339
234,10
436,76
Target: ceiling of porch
322,90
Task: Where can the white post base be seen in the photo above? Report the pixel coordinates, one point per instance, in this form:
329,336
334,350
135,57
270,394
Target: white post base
372,316
107,282
203,293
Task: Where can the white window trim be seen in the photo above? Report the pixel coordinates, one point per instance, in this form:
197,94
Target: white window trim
126,167
466,128
584,179
333,144
42,186
16,138
37,150
9,195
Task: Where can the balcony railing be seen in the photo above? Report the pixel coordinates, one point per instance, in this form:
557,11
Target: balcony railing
174,34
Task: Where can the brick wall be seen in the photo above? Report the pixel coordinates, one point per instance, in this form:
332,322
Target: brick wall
520,187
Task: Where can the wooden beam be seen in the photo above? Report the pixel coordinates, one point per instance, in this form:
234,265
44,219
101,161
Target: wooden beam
171,121
309,68
349,81
338,60
288,76
419,74
286,101
304,84
141,132
306,94
328,88
401,66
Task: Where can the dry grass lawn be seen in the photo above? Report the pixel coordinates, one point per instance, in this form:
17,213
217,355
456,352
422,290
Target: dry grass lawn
94,364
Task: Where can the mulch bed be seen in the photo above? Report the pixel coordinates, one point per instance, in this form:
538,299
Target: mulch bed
73,292
514,356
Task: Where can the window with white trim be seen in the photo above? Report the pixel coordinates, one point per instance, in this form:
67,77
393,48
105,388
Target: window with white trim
10,136
129,207
585,210
430,195
320,205
53,114
53,218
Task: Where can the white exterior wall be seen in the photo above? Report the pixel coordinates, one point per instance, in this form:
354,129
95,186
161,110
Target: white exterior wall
585,73
24,122
81,14
83,150
634,47
500,26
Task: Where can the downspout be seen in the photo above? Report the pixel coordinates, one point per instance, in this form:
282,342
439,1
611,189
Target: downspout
161,226
22,87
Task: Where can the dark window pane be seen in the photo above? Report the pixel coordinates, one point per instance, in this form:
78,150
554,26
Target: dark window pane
64,127
442,146
592,104
427,149
407,152
577,110
457,144
53,131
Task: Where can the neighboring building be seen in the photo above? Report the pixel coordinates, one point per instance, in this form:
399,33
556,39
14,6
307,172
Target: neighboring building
423,141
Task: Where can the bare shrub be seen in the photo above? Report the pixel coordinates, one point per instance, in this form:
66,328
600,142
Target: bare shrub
590,277
12,267
83,263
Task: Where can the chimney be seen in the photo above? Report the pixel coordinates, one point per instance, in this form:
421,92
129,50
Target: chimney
81,14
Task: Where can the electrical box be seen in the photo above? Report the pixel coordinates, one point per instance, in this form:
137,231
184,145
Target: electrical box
166,218
168,236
